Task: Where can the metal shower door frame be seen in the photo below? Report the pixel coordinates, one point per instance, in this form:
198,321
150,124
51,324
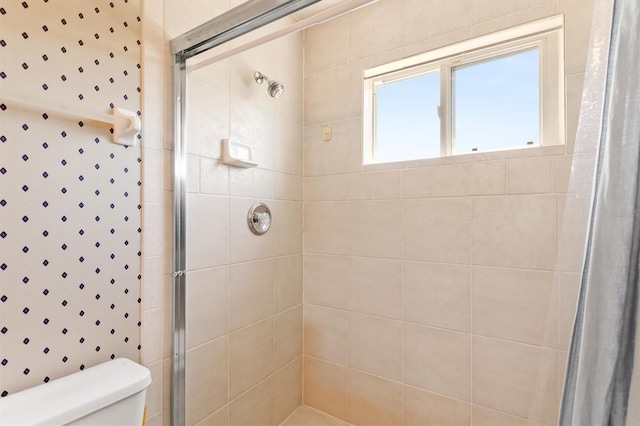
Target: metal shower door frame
241,20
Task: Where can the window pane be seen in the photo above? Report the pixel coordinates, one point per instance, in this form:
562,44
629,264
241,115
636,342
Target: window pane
408,126
497,103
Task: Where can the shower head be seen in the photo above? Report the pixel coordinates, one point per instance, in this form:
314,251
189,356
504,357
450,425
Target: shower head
274,88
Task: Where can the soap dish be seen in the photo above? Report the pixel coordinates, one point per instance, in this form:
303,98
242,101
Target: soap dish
237,154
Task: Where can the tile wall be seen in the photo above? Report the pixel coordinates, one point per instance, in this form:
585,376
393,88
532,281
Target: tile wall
432,290
69,197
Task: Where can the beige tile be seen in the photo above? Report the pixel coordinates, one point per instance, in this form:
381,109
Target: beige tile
355,138
325,96
206,379
193,174
375,346
313,188
306,416
253,125
486,417
416,183
297,188
513,19
515,304
387,185
250,356
206,305
327,157
436,42
325,45
436,230
287,336
437,294
281,186
425,408
325,228
219,418
241,182
578,17
288,282
154,391
244,245
568,291
518,231
375,287
214,177
152,176
288,150
487,178
287,391
375,229
529,175
326,387
514,378
424,19
250,292
262,183
375,29
437,360
449,181
326,280
360,186
325,334
152,283
374,401
209,122
153,218
254,407
151,336
484,10
287,227
561,172
336,187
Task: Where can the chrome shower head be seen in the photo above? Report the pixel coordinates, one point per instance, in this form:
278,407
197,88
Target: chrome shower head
274,88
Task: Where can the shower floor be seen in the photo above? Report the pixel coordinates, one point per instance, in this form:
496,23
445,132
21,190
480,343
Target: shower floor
305,416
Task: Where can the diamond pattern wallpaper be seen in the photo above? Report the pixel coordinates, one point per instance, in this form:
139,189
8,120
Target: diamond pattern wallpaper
69,198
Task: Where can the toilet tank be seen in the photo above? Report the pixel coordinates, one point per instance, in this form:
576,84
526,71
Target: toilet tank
111,394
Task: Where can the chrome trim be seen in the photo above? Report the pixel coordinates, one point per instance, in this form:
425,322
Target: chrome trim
259,218
238,21
178,317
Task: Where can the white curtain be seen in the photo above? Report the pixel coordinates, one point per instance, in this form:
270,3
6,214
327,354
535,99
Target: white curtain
601,356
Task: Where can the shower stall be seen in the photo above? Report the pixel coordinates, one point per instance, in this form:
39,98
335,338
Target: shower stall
437,291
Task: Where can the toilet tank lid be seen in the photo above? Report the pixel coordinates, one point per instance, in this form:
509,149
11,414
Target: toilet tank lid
71,397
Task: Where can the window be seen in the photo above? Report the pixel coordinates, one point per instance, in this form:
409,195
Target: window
500,91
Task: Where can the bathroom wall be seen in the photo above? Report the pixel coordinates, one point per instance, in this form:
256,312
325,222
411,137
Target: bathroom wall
434,291
244,292
69,197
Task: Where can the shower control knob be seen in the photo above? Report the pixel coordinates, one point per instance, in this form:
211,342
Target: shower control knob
259,218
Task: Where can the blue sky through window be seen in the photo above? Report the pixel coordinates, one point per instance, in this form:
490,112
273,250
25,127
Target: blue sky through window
496,105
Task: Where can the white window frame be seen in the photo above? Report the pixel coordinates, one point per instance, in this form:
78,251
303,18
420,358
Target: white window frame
547,35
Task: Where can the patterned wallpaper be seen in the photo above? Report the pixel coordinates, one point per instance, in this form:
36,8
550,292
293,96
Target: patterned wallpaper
69,197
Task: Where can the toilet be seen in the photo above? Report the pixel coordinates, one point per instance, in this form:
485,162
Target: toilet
111,394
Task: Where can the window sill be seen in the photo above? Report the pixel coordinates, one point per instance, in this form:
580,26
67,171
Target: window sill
539,151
